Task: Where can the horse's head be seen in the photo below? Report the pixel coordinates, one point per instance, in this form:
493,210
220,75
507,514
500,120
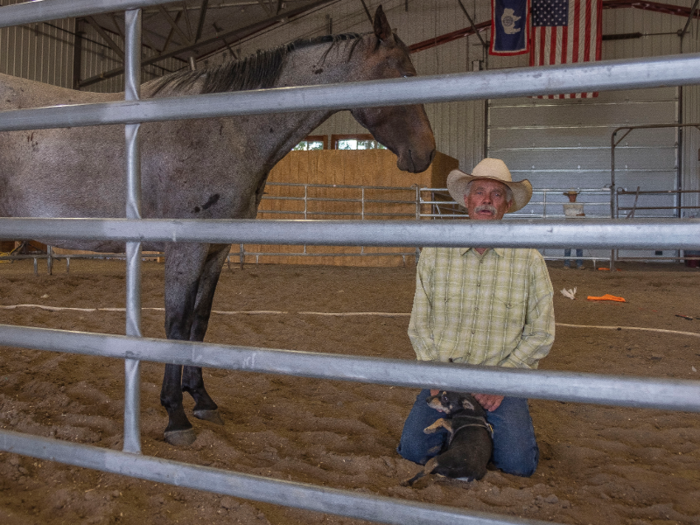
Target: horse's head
405,130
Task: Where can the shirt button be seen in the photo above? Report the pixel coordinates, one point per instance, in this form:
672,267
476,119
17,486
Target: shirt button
476,309
473,332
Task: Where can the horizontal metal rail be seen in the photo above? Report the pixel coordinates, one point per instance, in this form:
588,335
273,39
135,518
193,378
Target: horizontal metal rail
290,494
673,394
593,233
307,254
639,208
45,10
393,189
655,192
336,213
673,70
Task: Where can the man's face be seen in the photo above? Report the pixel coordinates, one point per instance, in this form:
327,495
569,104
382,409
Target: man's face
487,200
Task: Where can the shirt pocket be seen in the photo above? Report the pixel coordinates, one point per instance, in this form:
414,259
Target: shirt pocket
513,311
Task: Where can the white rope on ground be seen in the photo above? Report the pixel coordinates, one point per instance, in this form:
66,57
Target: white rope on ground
350,314
694,334
74,309
328,314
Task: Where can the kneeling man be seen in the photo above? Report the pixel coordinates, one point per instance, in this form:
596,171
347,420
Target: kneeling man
482,306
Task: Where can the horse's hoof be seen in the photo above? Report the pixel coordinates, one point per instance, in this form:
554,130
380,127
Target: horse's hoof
180,438
209,415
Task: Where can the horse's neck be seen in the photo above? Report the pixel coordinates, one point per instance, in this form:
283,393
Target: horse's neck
276,134
302,67
319,64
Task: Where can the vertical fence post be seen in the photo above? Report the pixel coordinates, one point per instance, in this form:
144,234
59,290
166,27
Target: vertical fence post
306,209
612,190
418,215
132,367
544,204
49,259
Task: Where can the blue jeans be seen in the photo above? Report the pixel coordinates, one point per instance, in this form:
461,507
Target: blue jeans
515,448
579,253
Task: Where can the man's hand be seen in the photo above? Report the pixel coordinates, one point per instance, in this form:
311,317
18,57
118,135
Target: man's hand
434,391
489,401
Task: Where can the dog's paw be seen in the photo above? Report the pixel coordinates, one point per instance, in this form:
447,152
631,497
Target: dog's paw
440,423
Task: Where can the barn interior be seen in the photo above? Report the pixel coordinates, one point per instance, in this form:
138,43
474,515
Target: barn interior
630,153
622,154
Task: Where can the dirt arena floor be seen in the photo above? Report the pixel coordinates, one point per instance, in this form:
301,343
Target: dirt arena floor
599,464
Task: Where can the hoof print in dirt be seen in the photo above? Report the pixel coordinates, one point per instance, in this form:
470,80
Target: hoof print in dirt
212,416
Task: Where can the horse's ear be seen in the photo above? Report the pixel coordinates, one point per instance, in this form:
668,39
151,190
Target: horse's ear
382,29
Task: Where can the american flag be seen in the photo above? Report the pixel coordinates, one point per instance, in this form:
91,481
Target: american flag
566,32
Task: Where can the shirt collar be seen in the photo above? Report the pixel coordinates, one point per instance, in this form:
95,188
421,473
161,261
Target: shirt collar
498,251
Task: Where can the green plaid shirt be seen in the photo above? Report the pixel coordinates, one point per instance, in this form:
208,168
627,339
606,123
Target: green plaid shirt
493,309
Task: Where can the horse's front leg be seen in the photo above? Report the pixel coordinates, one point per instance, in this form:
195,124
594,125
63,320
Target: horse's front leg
192,380
184,264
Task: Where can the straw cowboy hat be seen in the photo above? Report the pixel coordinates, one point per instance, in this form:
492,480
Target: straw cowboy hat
494,169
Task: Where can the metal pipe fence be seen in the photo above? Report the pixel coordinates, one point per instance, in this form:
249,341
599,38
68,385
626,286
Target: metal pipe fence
643,201
341,201
425,203
625,74
546,203
367,203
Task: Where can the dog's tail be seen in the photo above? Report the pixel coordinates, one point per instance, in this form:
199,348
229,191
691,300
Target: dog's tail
429,468
410,482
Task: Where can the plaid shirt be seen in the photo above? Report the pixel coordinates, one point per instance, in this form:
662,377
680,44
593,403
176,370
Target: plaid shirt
493,309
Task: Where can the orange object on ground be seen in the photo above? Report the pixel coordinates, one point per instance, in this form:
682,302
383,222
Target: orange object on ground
607,297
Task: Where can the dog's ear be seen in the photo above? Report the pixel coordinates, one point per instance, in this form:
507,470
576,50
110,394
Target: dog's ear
466,405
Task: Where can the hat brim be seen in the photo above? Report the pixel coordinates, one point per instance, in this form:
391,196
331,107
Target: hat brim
457,182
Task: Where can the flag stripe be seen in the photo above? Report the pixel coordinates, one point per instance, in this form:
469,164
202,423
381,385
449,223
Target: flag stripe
565,32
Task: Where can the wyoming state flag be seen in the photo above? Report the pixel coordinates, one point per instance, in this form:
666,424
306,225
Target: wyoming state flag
510,27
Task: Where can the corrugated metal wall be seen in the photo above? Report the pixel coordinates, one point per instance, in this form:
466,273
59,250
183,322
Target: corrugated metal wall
567,143
42,52
98,56
690,142
45,53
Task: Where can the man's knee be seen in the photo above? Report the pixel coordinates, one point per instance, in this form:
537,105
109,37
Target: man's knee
417,452
521,464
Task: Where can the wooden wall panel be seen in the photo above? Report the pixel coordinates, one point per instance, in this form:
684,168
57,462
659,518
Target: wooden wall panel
346,168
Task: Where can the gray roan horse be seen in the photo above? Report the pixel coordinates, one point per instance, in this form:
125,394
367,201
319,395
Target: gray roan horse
205,168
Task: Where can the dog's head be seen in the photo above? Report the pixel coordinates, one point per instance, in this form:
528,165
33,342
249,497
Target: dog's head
452,402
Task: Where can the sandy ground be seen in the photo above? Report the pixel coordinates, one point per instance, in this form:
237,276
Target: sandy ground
599,465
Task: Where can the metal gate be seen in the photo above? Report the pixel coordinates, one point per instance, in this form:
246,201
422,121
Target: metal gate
566,143
576,387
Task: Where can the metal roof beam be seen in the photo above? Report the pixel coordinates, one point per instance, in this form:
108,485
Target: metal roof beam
202,16
226,38
111,43
173,24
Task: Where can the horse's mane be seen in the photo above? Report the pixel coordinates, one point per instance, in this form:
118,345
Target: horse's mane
257,71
